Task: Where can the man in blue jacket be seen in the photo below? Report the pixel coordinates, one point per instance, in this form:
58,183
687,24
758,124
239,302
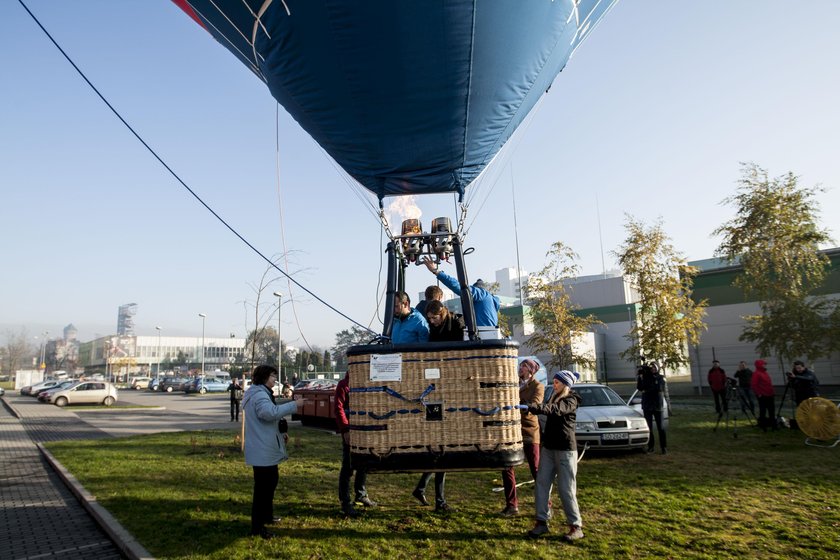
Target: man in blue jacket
486,305
409,325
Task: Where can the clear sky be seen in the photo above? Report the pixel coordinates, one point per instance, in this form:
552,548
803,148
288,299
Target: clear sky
651,117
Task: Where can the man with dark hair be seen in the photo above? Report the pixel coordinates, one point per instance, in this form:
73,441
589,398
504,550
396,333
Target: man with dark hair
717,383
409,325
745,394
236,393
433,293
803,381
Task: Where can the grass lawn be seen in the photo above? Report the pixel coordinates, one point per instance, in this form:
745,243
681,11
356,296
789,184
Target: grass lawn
188,495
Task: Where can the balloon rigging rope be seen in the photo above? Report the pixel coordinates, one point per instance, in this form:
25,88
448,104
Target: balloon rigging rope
283,228
503,157
181,181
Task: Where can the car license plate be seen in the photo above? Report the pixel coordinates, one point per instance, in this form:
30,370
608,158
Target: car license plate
619,436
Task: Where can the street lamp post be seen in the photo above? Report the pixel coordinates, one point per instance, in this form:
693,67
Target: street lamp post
203,317
42,363
279,338
157,377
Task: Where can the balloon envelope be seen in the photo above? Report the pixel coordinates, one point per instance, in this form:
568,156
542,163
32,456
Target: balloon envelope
408,96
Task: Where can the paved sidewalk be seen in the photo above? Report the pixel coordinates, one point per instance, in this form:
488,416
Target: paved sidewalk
39,516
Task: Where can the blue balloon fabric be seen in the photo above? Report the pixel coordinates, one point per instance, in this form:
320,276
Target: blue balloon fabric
408,96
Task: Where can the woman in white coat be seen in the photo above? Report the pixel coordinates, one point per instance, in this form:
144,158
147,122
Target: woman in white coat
265,444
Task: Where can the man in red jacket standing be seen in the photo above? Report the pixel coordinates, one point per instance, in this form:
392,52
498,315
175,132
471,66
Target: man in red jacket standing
717,383
342,423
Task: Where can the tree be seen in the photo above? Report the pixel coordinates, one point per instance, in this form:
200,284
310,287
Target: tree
775,237
667,318
556,326
17,349
261,346
345,339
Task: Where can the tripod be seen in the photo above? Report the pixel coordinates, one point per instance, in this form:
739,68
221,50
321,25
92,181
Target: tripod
734,400
779,419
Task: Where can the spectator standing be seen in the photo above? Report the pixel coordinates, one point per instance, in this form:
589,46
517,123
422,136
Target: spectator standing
558,456
265,446
531,392
765,394
651,384
745,393
803,382
342,423
717,383
236,393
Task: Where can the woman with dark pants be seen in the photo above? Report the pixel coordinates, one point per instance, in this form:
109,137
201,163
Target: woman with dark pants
764,392
265,445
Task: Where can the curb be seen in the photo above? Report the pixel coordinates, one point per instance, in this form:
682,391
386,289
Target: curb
127,544
12,410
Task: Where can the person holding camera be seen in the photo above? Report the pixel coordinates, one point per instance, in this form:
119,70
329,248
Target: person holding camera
803,382
651,384
265,444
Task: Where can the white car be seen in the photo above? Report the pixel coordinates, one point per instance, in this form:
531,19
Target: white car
86,392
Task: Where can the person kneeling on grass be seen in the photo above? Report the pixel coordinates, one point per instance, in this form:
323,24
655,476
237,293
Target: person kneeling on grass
558,456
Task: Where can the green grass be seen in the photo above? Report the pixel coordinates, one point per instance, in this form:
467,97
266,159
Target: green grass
188,495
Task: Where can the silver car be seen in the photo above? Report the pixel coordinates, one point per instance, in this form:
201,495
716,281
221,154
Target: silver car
86,392
604,422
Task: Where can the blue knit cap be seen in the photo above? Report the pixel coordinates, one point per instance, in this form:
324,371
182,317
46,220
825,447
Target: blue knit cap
567,377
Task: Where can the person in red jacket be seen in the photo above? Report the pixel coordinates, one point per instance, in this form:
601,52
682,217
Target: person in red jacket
717,383
342,423
763,389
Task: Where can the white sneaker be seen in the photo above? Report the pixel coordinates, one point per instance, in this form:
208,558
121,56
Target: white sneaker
574,533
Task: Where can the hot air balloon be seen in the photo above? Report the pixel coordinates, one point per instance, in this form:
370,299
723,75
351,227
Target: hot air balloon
414,97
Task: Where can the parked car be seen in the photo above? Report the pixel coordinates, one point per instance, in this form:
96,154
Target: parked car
154,384
86,392
44,394
2,391
47,383
207,385
138,383
604,421
169,384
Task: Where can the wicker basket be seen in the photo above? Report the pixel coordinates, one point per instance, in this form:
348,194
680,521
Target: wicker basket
436,406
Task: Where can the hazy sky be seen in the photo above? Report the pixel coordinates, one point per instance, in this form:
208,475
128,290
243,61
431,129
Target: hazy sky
651,117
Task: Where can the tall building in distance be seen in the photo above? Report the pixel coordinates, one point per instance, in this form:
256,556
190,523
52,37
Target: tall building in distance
125,319
511,281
